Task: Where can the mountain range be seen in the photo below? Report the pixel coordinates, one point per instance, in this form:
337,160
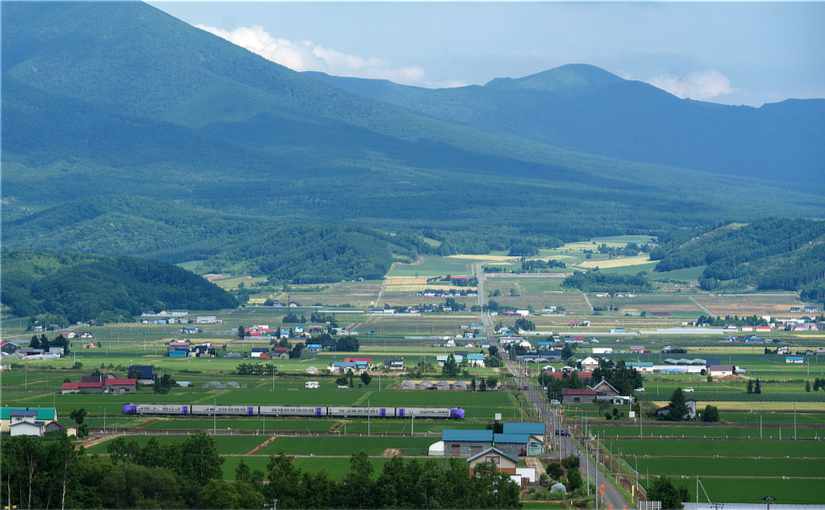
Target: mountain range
130,132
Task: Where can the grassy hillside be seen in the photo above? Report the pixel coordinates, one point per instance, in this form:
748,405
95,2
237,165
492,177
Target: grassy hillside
69,288
774,253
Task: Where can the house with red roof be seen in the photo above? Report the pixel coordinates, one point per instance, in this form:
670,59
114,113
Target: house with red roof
100,384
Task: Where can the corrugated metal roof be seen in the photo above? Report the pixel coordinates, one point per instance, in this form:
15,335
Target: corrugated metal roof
43,413
511,438
472,435
512,427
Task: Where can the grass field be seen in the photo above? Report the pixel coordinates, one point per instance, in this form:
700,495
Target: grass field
638,260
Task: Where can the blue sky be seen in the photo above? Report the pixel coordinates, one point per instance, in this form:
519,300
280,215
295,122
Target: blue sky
737,53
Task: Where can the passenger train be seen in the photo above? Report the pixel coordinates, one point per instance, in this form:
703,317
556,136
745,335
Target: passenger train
306,411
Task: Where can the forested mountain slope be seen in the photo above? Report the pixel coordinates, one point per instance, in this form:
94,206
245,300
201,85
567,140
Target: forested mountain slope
132,129
768,254
588,109
69,288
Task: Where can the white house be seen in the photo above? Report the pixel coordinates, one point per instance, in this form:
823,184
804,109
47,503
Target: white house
26,426
590,363
602,350
721,370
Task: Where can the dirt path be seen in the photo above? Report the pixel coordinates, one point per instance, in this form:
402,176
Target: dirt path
261,446
700,306
587,300
93,441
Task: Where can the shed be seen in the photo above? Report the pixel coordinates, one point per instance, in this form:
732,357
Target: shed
436,449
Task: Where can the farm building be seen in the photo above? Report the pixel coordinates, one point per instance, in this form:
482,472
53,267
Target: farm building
256,352
442,358
207,319
577,395
41,414
464,443
394,364
25,424
343,367
503,462
145,374
517,440
722,370
100,384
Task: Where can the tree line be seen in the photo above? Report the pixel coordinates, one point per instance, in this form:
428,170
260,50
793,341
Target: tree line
54,473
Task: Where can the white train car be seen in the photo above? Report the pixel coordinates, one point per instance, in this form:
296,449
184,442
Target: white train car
207,410
375,412
423,412
292,411
170,409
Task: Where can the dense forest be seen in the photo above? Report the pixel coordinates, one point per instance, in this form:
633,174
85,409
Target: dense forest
67,288
597,281
770,254
52,473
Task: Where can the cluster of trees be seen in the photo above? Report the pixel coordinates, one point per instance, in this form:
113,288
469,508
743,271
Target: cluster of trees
70,289
630,249
540,266
454,305
400,484
819,384
450,367
555,386
753,320
42,342
258,369
53,473
597,281
164,383
754,386
662,489
524,324
619,375
483,384
294,318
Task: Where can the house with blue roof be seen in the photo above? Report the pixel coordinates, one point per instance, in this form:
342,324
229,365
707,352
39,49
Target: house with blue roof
475,359
40,415
529,428
342,367
469,442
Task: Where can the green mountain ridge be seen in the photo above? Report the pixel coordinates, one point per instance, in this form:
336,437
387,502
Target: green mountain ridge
131,128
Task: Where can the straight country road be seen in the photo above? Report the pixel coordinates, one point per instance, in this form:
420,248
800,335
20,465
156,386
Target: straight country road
608,496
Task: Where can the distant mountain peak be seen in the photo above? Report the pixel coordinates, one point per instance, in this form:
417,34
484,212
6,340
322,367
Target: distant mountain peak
566,77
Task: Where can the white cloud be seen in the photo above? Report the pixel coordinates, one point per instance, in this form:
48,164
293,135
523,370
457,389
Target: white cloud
707,84
311,56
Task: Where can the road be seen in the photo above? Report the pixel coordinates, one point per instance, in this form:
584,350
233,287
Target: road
611,498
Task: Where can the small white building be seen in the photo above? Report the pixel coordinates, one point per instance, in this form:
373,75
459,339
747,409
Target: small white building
590,363
26,426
